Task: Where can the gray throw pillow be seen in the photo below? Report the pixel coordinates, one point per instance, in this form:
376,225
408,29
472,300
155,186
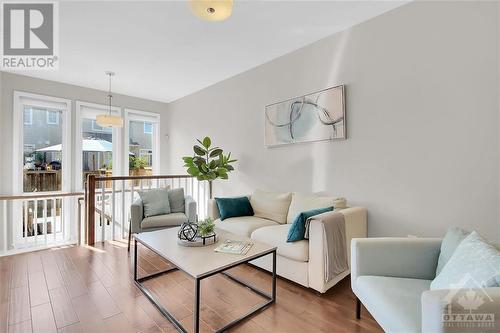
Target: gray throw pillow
155,202
454,236
176,199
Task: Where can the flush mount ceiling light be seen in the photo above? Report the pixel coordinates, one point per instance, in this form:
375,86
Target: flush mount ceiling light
109,120
212,10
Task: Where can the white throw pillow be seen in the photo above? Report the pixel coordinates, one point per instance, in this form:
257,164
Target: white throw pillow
303,202
474,264
271,205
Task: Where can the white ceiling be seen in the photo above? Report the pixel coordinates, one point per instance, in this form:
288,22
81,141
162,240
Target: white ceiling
160,51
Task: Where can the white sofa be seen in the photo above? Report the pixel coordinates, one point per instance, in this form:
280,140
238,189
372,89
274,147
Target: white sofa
303,261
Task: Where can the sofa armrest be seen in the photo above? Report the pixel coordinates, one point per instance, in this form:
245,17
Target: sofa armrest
397,257
213,209
355,226
439,306
190,208
136,216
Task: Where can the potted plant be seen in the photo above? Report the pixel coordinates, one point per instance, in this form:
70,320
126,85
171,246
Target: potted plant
137,166
208,163
206,227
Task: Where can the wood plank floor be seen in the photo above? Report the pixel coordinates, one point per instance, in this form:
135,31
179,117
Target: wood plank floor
90,289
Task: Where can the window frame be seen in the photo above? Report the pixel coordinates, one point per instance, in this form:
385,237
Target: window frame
48,117
148,123
30,117
29,145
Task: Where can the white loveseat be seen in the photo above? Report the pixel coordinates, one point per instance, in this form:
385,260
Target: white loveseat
303,261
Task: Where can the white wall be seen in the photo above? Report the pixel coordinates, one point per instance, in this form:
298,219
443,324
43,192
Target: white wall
11,82
423,120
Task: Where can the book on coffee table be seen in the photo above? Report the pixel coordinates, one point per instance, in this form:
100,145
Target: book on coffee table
234,247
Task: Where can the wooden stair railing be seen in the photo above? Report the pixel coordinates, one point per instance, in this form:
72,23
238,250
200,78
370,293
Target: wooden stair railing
91,191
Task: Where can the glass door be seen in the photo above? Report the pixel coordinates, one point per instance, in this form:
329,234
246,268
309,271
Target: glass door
97,147
42,165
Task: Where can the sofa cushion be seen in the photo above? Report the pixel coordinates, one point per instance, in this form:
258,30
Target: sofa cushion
454,236
234,207
303,202
271,205
243,225
167,220
177,200
298,229
393,302
474,264
276,235
155,202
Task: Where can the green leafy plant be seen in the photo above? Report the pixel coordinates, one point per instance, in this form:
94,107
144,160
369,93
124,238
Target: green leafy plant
206,227
38,157
137,162
208,163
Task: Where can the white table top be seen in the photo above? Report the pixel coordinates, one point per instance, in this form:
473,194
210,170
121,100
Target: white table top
198,261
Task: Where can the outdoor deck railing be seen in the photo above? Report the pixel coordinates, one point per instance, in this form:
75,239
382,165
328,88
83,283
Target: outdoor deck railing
107,208
39,220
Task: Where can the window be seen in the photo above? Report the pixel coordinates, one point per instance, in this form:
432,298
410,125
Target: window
148,128
28,116
43,153
52,118
29,148
97,147
142,132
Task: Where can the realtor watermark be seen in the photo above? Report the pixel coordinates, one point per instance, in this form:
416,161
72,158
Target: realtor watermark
30,36
469,308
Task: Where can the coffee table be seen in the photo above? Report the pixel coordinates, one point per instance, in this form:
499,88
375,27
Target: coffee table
201,263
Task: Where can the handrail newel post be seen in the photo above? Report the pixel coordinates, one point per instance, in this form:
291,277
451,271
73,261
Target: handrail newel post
90,207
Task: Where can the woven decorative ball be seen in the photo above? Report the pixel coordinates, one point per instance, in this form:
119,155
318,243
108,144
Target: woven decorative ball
188,231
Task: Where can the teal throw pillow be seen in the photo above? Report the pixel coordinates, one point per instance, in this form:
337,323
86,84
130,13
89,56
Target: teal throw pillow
298,229
234,207
454,236
155,202
474,264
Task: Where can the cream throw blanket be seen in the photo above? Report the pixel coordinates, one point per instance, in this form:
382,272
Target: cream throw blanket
333,224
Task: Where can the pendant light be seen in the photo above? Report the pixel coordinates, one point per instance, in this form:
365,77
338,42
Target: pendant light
212,10
109,120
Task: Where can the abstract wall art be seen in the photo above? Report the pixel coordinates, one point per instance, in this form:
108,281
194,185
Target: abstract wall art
318,116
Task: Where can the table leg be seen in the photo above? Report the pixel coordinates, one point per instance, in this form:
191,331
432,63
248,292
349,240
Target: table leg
274,277
135,259
196,312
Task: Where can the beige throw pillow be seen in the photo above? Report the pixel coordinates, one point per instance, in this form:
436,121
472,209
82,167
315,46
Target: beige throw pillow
271,205
303,202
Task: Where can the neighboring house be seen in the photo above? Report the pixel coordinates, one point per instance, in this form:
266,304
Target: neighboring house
43,129
141,140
